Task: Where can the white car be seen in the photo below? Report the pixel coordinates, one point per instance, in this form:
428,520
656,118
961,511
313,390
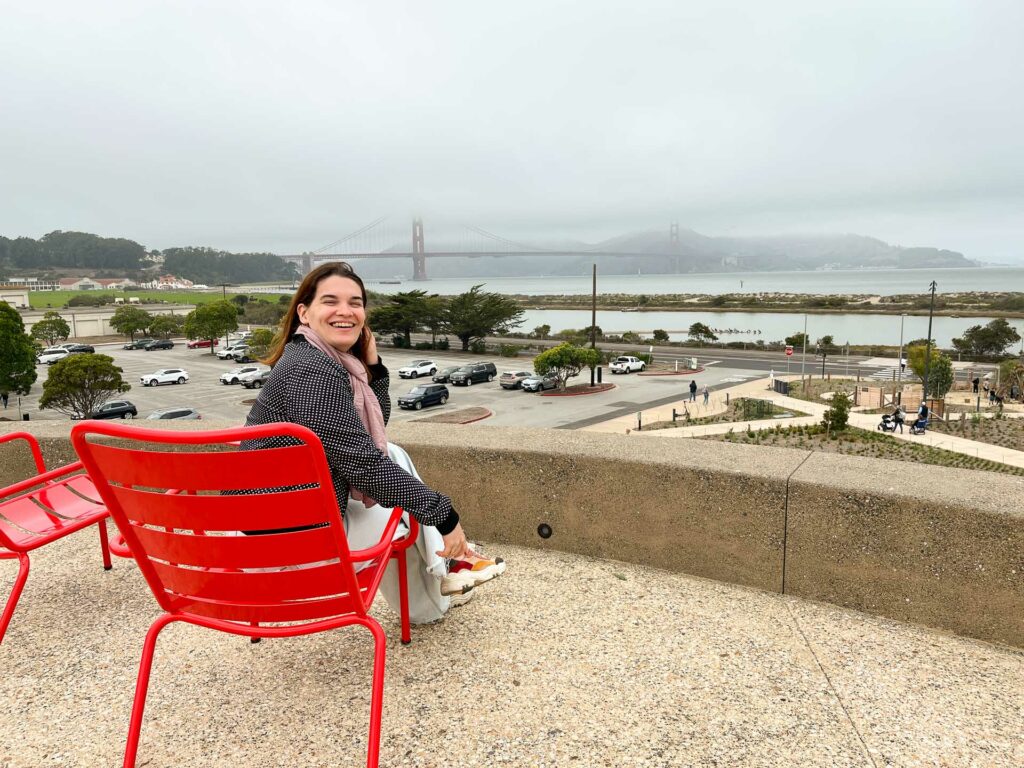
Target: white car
627,364
242,374
417,368
52,355
230,351
164,376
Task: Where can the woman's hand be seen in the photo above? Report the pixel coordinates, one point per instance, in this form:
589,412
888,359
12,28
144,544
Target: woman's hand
370,347
455,545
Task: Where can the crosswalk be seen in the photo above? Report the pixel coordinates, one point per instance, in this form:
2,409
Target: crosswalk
892,374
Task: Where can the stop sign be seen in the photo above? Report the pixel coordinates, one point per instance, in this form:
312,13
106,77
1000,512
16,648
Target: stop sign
789,351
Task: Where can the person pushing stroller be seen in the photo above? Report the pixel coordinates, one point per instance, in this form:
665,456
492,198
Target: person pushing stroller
921,423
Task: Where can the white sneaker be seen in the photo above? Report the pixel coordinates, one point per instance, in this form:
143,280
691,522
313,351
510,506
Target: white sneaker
461,599
464,575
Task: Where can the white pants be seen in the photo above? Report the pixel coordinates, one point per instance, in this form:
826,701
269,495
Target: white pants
424,566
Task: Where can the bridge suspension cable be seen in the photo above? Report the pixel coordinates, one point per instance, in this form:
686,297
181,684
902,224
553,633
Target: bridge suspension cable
351,235
502,240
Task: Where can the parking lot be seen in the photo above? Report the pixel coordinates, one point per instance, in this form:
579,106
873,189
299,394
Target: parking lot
214,400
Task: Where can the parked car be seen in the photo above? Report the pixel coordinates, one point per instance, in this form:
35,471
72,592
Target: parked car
201,343
242,357
79,348
256,381
424,394
139,343
235,375
113,409
159,344
175,413
417,368
513,379
164,376
473,373
537,383
443,376
627,364
51,356
230,350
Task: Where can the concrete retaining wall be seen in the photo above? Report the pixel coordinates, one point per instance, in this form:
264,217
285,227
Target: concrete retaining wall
936,546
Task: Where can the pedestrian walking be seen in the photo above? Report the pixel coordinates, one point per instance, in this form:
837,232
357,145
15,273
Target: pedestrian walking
707,393
771,379
693,391
3,399
975,382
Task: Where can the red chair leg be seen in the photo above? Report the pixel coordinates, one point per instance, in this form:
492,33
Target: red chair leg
141,686
377,693
105,545
19,584
403,596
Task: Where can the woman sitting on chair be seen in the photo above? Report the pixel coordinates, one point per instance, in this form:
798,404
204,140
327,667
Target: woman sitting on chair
328,377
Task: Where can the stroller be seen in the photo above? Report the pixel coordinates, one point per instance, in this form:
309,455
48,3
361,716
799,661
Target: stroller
890,422
919,426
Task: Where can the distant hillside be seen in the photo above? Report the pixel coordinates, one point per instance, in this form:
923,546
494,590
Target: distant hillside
693,252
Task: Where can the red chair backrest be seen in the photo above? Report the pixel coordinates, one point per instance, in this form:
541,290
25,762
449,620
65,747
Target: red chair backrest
183,529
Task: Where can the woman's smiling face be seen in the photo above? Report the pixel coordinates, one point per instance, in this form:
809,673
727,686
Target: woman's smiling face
337,312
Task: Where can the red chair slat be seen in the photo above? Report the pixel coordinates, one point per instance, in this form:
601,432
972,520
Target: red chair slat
206,471
266,586
225,513
310,610
63,503
264,551
26,514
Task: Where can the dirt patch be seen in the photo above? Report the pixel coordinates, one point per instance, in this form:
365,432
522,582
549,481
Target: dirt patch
1004,432
579,389
461,416
740,409
859,442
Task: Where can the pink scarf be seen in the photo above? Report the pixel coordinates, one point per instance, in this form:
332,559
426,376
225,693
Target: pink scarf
367,405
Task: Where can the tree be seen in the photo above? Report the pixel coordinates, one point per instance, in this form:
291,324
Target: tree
565,361
541,331
263,313
259,343
660,335
702,333
17,353
940,371
211,321
405,314
837,416
52,328
1011,374
79,384
129,320
476,314
165,326
991,339
797,340
826,342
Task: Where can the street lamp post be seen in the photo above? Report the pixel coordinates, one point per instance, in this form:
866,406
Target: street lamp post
803,355
928,348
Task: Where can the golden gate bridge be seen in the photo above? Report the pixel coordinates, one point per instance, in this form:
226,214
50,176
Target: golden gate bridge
380,240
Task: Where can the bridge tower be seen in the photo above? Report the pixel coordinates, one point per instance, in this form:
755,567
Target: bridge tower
673,242
419,259
307,263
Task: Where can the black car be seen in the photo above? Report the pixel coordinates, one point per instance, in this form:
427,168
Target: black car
139,343
444,375
159,344
424,394
473,373
73,348
115,409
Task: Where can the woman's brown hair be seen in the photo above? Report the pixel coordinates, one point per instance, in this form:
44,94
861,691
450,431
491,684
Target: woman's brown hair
305,295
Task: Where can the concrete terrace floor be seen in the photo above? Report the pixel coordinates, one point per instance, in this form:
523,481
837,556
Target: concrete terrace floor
564,661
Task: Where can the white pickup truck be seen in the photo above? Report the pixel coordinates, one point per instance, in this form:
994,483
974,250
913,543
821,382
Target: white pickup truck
627,364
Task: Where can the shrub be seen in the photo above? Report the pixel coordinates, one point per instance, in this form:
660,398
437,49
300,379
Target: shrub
509,350
398,341
478,347
838,415
422,345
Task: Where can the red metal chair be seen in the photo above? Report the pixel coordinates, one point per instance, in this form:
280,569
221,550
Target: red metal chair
182,529
42,509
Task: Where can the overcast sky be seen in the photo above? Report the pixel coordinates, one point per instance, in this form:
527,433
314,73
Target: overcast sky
264,125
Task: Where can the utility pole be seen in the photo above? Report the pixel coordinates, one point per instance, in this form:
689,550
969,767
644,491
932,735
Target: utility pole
803,357
928,348
593,320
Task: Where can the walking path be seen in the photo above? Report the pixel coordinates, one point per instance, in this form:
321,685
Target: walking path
758,388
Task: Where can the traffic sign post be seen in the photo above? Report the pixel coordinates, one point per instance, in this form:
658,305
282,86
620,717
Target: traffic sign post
789,355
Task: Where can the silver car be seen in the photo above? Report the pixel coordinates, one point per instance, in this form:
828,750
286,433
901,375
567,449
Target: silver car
175,413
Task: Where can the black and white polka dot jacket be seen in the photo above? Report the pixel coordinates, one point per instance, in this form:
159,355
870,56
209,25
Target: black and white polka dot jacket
307,387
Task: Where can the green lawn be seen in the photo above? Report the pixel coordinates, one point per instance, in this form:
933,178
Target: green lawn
57,299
